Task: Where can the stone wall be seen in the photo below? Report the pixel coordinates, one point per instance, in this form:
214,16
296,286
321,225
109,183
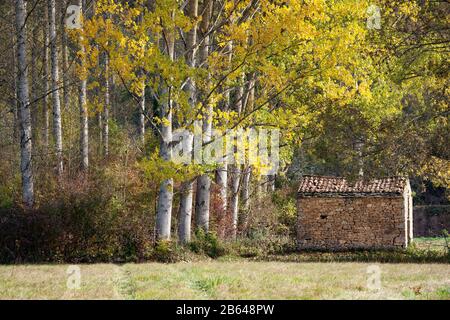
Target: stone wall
429,221
336,223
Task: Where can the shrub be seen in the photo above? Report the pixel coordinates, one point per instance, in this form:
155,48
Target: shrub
260,245
287,212
168,252
82,223
207,243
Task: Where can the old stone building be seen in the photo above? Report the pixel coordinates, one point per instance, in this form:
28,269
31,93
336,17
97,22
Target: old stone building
335,214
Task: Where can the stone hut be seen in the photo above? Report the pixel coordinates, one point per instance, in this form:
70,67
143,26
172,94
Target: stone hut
336,214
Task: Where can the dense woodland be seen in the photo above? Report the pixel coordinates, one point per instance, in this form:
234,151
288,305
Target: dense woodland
87,116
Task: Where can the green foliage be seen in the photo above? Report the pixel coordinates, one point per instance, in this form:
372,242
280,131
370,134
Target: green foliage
168,252
6,196
207,243
211,284
287,213
443,293
412,255
9,186
262,245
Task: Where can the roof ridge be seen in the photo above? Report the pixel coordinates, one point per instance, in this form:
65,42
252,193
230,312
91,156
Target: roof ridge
345,178
332,184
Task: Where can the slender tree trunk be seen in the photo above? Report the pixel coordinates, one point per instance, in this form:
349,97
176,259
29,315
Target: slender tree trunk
185,214
84,124
57,125
142,100
26,167
236,172
46,86
142,115
222,171
234,202
65,56
106,109
34,83
165,199
113,97
14,102
100,130
204,182
249,105
222,184
359,149
245,191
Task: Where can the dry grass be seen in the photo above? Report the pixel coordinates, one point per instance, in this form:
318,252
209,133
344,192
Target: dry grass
227,280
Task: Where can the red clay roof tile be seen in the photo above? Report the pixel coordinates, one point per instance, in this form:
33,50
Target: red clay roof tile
322,184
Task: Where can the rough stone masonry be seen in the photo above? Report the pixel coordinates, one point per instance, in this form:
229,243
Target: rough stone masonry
335,214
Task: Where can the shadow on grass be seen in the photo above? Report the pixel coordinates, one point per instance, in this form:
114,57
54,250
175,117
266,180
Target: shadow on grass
412,255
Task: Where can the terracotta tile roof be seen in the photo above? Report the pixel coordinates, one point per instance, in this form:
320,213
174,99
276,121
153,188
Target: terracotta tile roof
312,185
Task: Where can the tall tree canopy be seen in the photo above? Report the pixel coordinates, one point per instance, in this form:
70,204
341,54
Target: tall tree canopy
353,87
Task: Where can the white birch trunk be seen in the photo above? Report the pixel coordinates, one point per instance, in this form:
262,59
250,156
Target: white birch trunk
26,167
203,195
100,129
142,101
222,183
234,202
236,172
165,199
186,197
57,125
34,84
84,124
249,105
185,214
359,149
65,56
245,192
106,109
222,171
14,99
142,115
46,86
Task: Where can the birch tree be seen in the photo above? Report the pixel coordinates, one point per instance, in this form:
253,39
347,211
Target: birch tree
203,195
165,197
142,100
64,56
107,106
45,76
34,82
57,125
222,172
245,190
236,171
26,145
84,119
186,197
142,114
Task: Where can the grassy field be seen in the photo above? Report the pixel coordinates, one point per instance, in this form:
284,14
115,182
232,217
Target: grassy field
235,279
433,244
